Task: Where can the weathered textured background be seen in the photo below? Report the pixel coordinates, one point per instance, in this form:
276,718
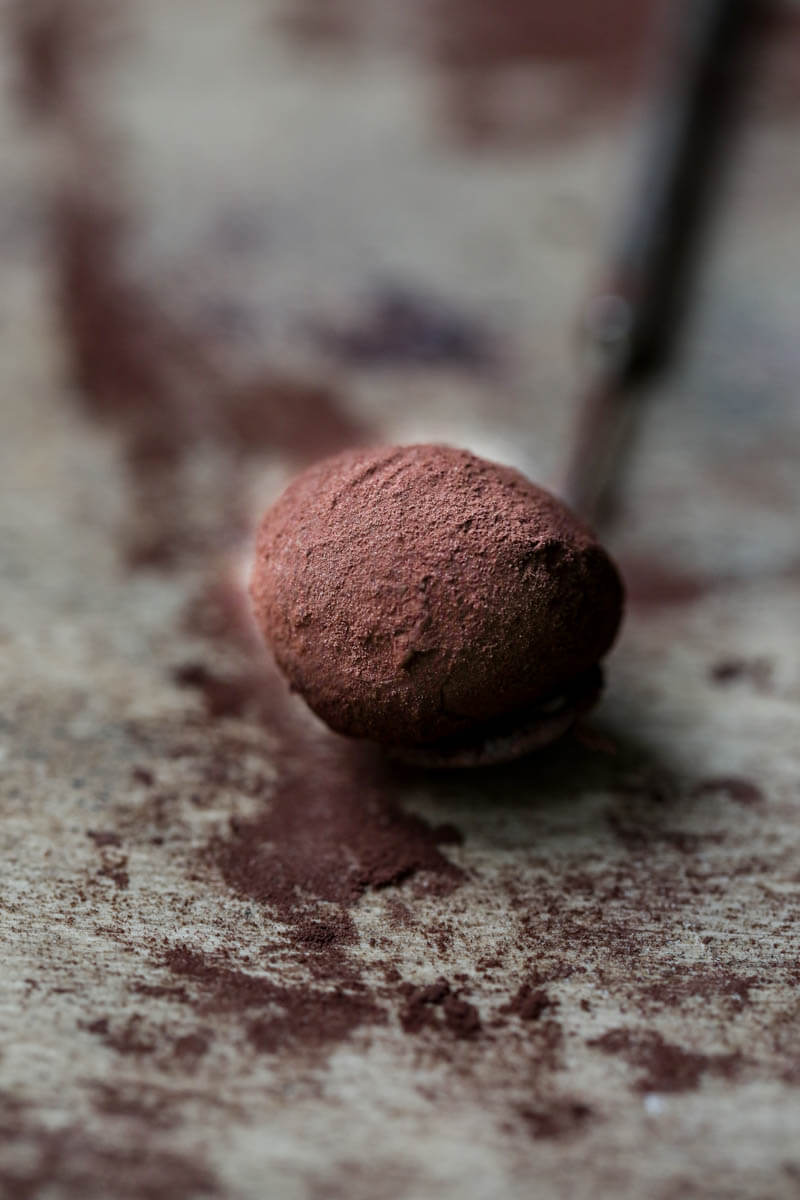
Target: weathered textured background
240,958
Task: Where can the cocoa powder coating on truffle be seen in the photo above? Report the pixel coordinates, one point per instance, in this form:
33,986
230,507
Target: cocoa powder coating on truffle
416,593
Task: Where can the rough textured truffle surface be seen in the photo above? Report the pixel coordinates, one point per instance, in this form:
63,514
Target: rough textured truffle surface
412,594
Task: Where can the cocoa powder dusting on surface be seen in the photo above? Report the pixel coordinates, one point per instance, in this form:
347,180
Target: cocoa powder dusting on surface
277,1016
663,1066
160,384
402,328
329,833
329,829
475,49
650,585
680,987
755,672
131,1165
735,787
559,1118
529,1003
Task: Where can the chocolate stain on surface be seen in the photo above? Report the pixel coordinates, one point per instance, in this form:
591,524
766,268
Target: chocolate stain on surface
161,386
403,328
757,672
86,1168
277,1016
734,787
559,1118
663,1066
529,1003
487,56
651,585
706,983
329,829
128,1038
48,40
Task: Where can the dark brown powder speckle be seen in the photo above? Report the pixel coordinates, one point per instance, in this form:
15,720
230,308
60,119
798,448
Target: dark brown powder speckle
276,1016
663,1066
529,1003
461,1017
83,1167
556,1118
735,787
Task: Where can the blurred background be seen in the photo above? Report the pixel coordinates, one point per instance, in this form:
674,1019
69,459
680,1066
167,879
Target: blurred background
335,221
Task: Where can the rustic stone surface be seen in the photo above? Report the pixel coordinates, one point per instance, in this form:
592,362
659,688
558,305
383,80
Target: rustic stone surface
239,958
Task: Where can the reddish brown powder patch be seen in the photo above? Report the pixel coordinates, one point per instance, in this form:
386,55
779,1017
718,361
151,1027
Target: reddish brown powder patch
48,41
706,983
191,1047
113,865
437,1006
754,671
84,1168
402,328
116,871
149,1106
418,1012
663,1066
130,1037
476,47
276,1016
529,1003
650,585
735,787
331,828
556,1118
104,837
330,833
461,1017
160,384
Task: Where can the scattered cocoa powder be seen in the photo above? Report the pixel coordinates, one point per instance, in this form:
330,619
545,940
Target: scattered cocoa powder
191,1046
130,1037
330,828
129,1165
277,1016
330,832
48,37
529,1003
401,327
754,671
663,1066
703,982
417,1012
160,385
735,787
116,872
557,1118
148,1106
474,50
461,1017
104,837
651,585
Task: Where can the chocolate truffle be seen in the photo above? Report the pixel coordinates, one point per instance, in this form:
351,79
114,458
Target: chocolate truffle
431,600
